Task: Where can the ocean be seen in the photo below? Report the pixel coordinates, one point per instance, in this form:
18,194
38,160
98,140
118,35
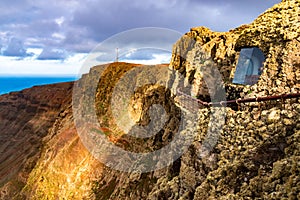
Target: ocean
12,84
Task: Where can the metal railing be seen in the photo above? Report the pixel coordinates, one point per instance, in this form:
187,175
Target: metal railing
238,101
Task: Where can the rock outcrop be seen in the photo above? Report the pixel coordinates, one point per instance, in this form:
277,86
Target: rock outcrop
276,33
255,154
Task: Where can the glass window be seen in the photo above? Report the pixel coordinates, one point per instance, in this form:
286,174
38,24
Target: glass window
249,66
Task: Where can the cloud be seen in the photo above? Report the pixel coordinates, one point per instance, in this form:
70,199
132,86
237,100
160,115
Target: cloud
141,42
53,54
12,66
143,54
104,19
77,26
147,56
15,48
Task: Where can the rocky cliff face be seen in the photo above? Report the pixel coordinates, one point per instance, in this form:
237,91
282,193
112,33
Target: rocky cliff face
256,154
26,117
276,33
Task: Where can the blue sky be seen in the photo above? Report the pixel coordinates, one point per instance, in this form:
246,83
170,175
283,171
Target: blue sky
55,37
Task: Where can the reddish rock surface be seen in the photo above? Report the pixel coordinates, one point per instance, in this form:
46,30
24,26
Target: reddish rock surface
26,118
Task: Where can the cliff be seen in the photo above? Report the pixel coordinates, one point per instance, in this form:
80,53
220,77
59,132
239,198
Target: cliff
256,154
26,118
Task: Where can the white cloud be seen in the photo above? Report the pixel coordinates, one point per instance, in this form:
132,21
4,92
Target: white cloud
35,52
60,20
129,53
58,36
15,66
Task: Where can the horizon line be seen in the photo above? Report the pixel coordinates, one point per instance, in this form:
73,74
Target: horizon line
40,75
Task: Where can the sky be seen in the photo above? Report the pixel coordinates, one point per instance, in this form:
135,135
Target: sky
56,37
